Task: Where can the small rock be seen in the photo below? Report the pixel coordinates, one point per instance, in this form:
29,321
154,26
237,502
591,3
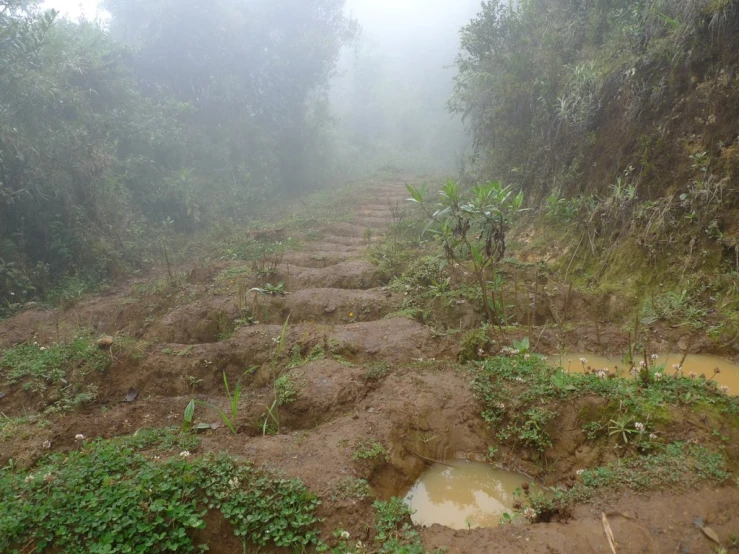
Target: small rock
371,410
105,342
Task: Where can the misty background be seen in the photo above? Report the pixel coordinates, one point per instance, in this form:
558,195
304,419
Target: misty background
394,82
389,95
128,123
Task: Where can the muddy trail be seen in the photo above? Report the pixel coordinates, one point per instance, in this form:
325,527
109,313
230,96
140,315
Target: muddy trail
355,373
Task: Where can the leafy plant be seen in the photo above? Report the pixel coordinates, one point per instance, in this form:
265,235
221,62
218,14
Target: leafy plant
471,226
229,419
149,492
287,389
368,450
60,376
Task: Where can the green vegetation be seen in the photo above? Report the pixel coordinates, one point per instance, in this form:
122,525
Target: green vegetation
676,465
351,488
394,532
520,393
57,377
638,418
557,96
287,388
535,79
145,493
369,450
377,371
472,225
116,145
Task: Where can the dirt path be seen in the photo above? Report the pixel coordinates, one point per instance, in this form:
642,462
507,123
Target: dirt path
360,377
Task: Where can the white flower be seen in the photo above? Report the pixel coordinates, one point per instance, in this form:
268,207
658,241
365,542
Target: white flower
359,545
529,513
79,437
480,352
345,534
654,356
43,348
157,457
30,478
642,363
49,477
677,367
527,356
639,426
580,472
583,361
724,389
652,436
693,375
500,406
657,376
46,445
234,483
515,352
519,379
602,373
185,454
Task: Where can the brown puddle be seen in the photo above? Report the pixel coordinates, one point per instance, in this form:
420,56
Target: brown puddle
694,363
463,495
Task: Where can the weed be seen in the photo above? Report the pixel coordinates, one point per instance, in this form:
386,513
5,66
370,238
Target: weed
351,488
520,395
192,381
316,353
376,371
230,419
271,422
287,388
395,533
148,498
58,375
369,450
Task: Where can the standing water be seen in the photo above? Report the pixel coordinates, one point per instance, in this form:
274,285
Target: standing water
463,495
698,364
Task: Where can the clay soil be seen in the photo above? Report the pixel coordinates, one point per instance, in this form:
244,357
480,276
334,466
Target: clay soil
390,380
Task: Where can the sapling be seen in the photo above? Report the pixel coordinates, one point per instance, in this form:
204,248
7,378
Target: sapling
472,226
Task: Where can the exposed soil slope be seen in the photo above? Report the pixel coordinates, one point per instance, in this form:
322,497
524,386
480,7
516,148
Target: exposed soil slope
360,376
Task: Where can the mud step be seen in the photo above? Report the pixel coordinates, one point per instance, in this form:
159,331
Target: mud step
340,305
348,230
352,274
373,222
316,259
165,369
351,250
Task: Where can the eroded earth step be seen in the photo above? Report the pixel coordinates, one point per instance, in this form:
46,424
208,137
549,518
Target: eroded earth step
210,319
165,367
316,259
351,274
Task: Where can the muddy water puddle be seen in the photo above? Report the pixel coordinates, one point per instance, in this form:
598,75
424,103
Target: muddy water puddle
694,363
463,495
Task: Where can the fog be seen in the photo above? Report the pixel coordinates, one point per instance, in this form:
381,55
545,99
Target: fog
394,82
391,86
